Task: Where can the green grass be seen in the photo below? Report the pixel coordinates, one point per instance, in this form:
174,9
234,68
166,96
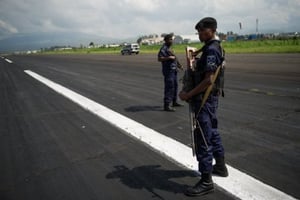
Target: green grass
263,46
255,46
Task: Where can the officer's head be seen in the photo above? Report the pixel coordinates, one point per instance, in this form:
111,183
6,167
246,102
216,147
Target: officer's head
168,39
206,28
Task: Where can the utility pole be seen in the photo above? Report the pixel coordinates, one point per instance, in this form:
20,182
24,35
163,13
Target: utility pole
240,28
256,26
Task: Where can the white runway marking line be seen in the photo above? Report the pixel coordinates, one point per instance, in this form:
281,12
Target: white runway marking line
238,183
9,61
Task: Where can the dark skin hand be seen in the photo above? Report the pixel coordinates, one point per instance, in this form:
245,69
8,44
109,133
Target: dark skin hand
195,53
185,96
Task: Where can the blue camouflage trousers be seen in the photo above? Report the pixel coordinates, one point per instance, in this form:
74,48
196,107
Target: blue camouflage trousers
171,87
207,120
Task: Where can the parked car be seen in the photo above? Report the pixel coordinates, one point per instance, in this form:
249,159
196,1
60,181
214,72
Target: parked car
131,49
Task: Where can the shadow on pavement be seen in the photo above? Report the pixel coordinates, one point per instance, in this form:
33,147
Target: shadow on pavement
143,108
151,177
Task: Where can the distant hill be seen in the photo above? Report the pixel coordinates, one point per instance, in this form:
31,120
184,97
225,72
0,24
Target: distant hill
36,41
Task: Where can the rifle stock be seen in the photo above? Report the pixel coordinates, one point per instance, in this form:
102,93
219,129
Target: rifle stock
190,67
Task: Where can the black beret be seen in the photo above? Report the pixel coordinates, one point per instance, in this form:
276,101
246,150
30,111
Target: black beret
168,36
207,22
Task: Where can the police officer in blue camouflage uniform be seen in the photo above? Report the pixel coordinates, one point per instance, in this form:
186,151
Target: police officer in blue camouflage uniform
207,139
169,69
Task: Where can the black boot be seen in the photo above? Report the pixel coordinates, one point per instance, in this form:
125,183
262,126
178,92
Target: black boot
168,108
220,168
204,186
175,104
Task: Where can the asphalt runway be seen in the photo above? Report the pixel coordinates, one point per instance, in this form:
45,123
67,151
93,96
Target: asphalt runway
53,149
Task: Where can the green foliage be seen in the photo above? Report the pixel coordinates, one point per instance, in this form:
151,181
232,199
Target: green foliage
263,46
252,46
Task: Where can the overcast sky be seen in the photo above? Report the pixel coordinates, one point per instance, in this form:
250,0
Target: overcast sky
131,18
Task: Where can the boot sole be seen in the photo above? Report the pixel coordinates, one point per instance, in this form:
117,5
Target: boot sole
171,110
220,174
200,194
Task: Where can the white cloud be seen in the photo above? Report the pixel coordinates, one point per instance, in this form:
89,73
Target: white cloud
145,6
130,18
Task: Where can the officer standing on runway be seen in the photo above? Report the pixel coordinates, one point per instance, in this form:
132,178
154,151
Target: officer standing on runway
207,139
169,69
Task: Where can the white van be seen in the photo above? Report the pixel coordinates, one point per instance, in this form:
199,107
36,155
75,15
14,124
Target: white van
130,49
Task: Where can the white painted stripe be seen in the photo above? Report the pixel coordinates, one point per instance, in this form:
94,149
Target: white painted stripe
9,61
238,183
